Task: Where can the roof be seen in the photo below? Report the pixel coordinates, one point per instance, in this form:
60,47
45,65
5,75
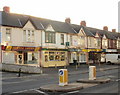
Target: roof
14,20
19,20
101,33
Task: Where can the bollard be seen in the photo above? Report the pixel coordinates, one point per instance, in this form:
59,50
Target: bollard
63,77
19,73
92,72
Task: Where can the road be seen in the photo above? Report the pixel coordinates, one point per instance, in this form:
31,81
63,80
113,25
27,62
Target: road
30,83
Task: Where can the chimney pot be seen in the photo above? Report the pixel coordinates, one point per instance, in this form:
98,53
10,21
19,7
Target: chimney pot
6,9
68,20
83,23
105,28
113,30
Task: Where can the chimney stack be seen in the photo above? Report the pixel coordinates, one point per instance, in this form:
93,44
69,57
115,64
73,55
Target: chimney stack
83,23
6,9
113,30
105,28
68,20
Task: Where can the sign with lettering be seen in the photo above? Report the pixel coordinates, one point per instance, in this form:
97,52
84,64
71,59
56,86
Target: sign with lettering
8,48
17,48
88,50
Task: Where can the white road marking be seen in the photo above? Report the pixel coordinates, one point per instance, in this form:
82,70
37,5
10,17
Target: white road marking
118,80
24,90
41,92
72,92
35,89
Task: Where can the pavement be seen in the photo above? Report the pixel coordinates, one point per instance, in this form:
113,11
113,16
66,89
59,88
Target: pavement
98,80
52,70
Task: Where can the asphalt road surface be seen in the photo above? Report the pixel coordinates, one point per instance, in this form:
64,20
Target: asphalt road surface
31,83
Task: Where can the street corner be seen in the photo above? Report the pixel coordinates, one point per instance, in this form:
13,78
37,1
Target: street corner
57,88
98,80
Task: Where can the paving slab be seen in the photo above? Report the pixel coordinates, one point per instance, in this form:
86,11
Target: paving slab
98,80
57,88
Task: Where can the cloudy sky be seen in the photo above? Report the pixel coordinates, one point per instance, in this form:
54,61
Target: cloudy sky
96,13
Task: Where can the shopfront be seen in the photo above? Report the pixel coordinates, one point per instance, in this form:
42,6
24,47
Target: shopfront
54,57
78,55
93,55
21,55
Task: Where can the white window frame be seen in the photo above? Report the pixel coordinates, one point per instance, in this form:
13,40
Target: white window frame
8,34
28,35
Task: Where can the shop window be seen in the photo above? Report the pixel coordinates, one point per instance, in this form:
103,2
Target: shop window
51,56
8,57
62,56
57,57
31,58
118,56
91,56
46,58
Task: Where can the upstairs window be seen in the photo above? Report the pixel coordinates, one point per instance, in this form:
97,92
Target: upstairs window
62,39
71,40
98,42
28,35
90,42
8,34
82,40
49,37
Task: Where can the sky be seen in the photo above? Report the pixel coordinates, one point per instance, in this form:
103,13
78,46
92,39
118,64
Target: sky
96,13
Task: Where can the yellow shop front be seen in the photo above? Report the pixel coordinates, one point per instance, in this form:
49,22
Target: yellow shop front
54,57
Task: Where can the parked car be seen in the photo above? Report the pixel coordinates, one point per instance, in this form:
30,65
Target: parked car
113,58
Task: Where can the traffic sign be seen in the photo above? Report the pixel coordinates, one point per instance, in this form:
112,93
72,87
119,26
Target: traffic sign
61,72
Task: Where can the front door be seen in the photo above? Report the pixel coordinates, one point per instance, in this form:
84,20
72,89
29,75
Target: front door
20,58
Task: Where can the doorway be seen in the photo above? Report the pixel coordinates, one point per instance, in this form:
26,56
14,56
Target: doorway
20,58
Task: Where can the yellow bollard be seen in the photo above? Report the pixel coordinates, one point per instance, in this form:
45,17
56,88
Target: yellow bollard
92,72
63,77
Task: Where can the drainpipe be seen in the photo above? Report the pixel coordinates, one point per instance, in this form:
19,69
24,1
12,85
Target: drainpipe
87,53
40,55
1,53
0,45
